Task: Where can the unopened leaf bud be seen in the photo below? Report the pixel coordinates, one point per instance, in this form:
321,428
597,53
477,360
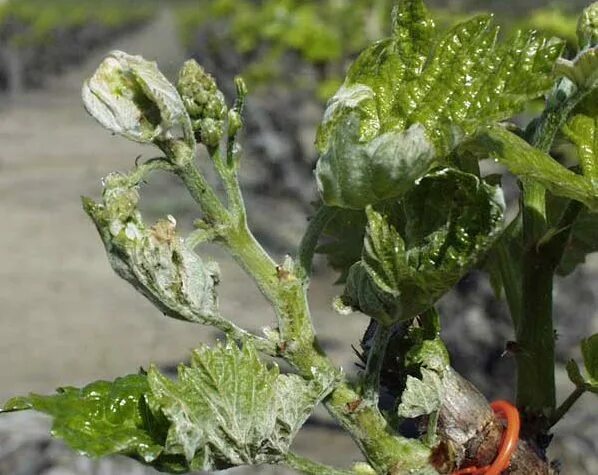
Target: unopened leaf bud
204,102
235,122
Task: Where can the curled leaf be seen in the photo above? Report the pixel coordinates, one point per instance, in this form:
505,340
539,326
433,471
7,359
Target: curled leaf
155,260
129,96
450,220
351,174
344,233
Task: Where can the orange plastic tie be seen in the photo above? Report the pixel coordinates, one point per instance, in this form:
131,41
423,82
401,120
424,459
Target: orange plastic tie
508,442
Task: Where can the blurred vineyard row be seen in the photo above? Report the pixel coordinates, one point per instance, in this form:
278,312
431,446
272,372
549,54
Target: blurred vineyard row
41,37
253,37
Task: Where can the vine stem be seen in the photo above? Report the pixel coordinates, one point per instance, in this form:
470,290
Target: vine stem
566,405
534,330
305,465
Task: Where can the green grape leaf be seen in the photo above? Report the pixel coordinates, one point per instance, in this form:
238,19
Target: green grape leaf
587,381
583,239
444,90
131,97
360,293
421,396
344,233
582,71
103,418
429,353
589,352
528,162
394,161
582,131
582,242
414,32
227,408
470,79
155,260
451,219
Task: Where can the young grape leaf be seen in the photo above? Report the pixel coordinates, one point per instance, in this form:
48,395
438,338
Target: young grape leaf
582,70
430,353
226,409
589,352
451,219
344,233
582,131
155,260
442,90
526,161
131,97
394,161
103,418
470,79
421,396
229,409
583,238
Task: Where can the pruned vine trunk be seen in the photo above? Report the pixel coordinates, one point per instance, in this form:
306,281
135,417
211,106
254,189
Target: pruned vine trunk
471,433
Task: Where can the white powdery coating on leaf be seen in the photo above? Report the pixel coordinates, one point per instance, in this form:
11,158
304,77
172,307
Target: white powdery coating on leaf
116,227
112,97
421,396
132,232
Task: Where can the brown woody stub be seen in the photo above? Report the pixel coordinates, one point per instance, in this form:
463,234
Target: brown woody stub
470,433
